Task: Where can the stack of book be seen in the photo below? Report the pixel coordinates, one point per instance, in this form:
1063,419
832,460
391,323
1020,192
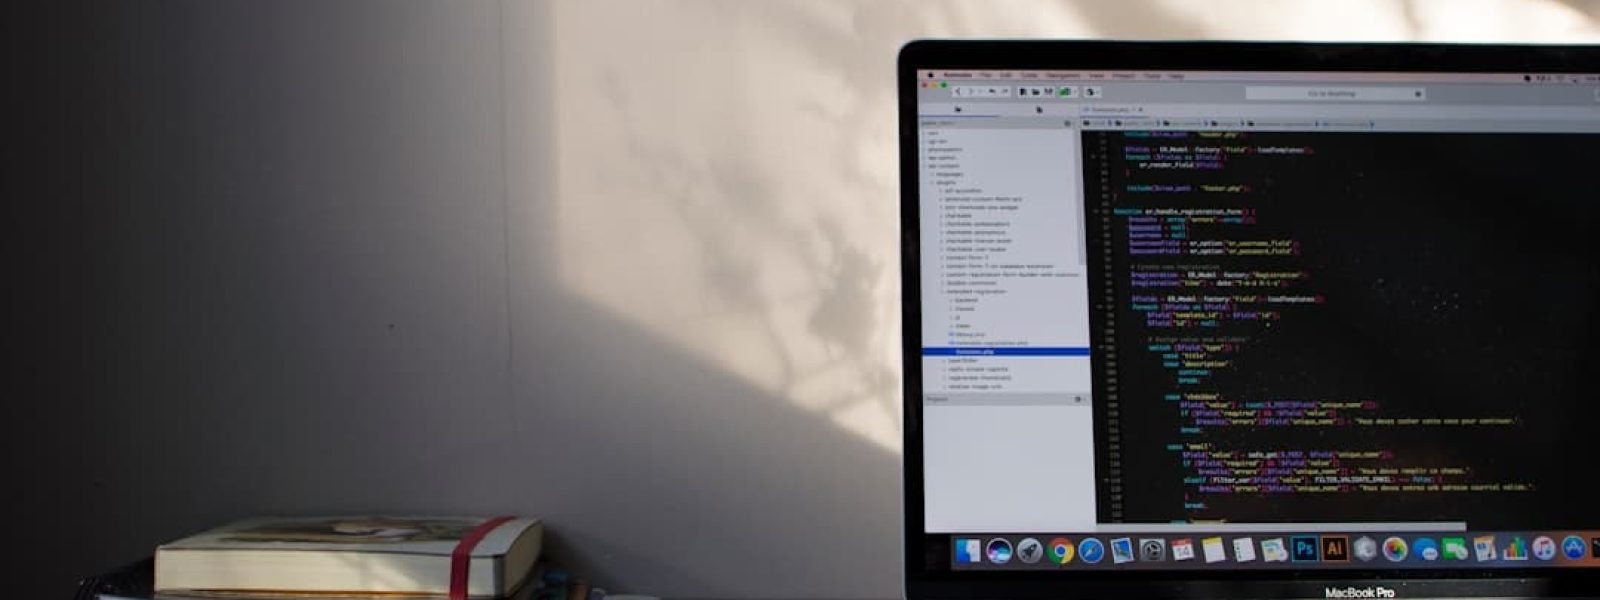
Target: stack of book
331,558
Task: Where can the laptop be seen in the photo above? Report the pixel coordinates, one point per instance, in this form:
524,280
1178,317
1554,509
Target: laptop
1250,320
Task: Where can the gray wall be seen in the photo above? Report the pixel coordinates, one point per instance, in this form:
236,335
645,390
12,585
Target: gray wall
286,275
628,266
288,243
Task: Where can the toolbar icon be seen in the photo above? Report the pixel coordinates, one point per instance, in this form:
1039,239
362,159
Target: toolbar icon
1091,550
1572,547
1273,551
968,551
1303,548
1244,549
1517,549
1427,549
1365,548
1395,549
1061,551
1152,550
1214,551
1483,547
1544,548
999,551
1335,548
1029,550
1454,548
1122,550
1183,549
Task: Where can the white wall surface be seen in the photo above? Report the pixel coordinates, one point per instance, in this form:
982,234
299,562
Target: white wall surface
626,265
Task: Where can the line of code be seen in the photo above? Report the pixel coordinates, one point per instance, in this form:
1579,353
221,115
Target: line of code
1338,327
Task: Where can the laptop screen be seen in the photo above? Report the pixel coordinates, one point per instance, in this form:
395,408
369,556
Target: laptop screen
1256,321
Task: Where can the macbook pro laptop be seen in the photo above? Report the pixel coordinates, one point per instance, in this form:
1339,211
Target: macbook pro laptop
1250,320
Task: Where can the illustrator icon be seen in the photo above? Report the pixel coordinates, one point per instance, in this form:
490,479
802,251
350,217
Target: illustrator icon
1335,548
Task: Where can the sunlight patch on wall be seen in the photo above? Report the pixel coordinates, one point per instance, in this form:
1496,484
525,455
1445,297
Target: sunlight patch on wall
1545,21
726,170
1503,21
725,180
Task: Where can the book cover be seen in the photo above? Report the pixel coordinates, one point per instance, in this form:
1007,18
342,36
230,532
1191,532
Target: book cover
389,554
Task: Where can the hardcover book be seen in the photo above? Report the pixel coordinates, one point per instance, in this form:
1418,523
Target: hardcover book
458,557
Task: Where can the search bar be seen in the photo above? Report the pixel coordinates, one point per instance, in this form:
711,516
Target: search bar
1304,93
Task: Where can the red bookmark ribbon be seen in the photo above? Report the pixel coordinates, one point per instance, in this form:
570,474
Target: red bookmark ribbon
461,556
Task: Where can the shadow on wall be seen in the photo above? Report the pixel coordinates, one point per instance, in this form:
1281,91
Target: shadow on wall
306,291
726,170
661,469
724,186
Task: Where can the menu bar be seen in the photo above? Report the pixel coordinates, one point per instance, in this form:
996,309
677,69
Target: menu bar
1183,76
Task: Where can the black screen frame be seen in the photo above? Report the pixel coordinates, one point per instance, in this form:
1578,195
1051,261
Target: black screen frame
927,557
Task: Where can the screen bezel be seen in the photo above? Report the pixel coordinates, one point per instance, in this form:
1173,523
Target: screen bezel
922,552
